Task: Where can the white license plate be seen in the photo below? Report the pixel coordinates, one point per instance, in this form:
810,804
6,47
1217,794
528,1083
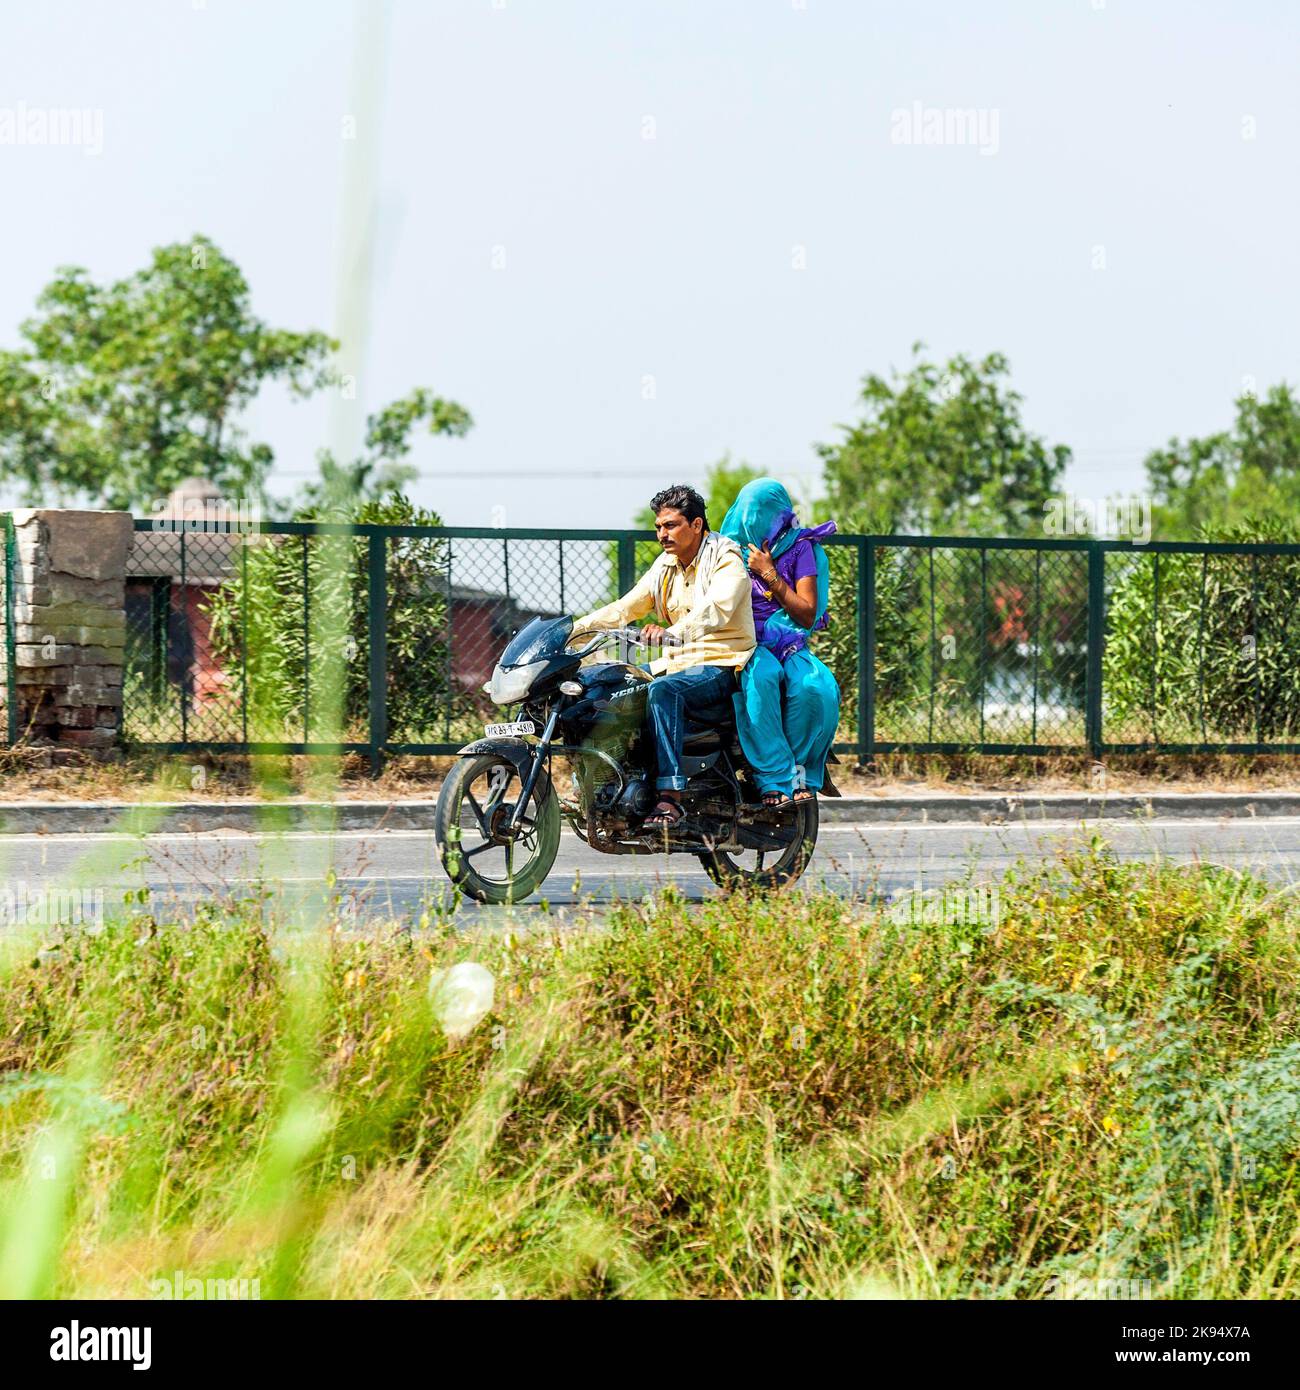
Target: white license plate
520,726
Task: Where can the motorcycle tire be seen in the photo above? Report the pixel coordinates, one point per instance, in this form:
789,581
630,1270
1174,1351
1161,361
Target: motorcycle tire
728,873
541,845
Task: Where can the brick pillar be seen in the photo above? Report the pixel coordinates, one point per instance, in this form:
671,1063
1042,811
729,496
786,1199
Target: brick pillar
70,626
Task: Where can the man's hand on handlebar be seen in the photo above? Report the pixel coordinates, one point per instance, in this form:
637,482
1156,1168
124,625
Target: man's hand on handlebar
654,635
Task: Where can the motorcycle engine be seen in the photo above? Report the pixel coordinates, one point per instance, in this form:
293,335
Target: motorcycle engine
636,800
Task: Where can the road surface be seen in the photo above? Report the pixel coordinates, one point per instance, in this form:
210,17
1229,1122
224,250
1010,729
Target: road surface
395,875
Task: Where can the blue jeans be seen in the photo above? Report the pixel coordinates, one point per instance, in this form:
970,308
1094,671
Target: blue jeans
699,692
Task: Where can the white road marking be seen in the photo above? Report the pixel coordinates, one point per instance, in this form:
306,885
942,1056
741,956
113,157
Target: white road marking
840,828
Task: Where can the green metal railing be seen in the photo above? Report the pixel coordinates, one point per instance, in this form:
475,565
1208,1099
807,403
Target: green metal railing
943,644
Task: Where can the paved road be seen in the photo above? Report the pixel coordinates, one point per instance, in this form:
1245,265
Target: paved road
395,874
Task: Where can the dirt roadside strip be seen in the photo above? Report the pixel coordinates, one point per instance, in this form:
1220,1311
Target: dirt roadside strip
173,817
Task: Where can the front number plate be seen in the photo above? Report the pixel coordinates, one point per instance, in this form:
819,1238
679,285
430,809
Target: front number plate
520,726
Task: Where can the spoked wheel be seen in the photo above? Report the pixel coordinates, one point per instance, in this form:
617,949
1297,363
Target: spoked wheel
793,832
483,857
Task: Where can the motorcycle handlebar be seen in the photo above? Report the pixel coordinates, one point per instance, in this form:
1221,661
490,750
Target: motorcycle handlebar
634,636
631,635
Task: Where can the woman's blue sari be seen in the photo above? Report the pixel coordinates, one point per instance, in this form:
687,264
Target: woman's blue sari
763,514
787,708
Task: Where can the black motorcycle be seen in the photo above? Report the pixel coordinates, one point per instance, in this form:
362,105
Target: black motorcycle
498,817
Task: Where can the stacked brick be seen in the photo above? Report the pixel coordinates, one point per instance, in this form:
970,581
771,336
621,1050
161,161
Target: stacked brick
69,615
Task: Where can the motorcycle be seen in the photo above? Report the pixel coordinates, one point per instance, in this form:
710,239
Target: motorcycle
498,818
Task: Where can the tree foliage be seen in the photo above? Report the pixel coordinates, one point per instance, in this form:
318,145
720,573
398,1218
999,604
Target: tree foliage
941,450
124,390
1214,484
269,617
380,471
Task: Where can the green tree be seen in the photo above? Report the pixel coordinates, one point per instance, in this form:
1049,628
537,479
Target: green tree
941,450
381,471
124,390
260,618
1212,485
121,391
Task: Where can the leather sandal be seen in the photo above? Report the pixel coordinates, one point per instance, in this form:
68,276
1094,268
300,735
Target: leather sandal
666,813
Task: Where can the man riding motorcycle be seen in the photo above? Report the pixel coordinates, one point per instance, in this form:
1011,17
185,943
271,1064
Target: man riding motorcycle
626,733
699,591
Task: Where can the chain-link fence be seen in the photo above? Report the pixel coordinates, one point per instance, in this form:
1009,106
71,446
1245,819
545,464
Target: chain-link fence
980,647
1202,648
305,637
300,637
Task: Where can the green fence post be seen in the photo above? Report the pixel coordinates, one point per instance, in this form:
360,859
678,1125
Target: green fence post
1155,649
11,655
377,635
187,673
626,564
306,645
448,673
1254,637
866,649
1096,636
243,622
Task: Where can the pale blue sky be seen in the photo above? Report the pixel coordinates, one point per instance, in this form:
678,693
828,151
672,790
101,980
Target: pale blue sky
520,125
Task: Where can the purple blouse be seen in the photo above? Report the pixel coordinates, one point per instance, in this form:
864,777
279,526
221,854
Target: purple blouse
793,565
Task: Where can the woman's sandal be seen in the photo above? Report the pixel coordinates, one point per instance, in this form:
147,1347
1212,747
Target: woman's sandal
804,794
666,813
774,799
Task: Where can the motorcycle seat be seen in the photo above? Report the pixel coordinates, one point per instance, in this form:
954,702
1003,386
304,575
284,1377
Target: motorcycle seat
710,728
700,738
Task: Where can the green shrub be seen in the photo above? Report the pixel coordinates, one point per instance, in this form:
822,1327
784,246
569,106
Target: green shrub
294,601
1216,660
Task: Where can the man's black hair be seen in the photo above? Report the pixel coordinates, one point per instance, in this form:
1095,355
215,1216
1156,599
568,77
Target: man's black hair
681,498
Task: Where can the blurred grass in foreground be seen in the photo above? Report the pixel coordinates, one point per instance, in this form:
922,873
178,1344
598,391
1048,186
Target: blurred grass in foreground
782,1097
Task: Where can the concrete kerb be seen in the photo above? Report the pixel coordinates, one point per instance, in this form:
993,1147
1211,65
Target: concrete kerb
86,817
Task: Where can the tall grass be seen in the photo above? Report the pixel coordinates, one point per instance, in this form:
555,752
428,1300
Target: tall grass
780,1097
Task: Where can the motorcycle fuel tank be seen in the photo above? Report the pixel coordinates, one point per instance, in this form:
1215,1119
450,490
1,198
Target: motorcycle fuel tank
613,700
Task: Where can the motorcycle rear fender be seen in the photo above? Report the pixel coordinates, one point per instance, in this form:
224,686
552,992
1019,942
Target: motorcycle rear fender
516,752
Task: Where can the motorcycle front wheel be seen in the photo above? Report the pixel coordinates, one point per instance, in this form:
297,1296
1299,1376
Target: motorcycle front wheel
795,829
482,856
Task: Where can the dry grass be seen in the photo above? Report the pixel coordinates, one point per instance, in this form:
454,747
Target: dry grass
1129,772
24,776
751,1097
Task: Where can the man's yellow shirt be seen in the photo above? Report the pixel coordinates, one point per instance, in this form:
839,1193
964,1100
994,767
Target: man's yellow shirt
714,623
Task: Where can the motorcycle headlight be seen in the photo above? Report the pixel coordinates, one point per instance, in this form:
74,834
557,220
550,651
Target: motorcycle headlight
510,686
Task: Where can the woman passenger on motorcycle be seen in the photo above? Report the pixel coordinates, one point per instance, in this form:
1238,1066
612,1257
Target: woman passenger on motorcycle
788,705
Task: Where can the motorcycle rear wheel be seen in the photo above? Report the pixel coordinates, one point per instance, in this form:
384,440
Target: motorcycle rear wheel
753,870
468,827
